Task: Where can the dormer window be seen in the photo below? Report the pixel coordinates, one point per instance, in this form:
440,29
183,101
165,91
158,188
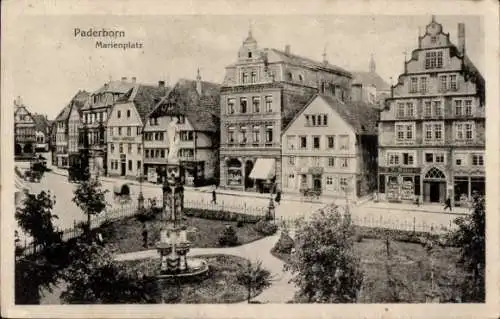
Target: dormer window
289,76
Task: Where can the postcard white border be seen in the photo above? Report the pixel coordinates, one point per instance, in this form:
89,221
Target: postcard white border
489,9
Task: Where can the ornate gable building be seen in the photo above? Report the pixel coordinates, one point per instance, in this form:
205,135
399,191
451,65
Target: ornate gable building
195,105
432,131
24,129
260,95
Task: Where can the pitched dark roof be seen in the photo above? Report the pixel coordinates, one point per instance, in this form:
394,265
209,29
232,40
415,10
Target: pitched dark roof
292,105
202,111
41,122
309,63
144,98
370,78
361,116
115,87
64,114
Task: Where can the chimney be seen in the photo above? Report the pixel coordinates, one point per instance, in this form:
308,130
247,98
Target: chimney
161,84
18,101
134,79
461,38
124,78
287,49
198,82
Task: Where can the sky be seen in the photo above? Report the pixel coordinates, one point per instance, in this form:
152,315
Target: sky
46,64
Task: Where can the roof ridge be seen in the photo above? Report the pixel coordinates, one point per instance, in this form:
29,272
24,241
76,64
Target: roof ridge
327,65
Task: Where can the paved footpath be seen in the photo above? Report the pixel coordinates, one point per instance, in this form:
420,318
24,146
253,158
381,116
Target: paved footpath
280,291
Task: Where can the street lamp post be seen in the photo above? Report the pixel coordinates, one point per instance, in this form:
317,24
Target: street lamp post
140,198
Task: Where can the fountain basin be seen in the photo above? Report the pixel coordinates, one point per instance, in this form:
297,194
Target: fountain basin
196,267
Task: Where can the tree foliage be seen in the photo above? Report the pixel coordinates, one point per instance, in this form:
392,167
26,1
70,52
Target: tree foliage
41,269
254,277
36,219
324,266
90,198
93,277
470,237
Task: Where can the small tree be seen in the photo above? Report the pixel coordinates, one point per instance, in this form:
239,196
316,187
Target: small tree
35,218
90,198
93,277
470,237
253,277
324,266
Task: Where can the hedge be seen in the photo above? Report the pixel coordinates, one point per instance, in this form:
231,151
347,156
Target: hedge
222,215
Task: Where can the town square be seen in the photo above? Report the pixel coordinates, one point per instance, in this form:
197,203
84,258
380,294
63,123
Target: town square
271,176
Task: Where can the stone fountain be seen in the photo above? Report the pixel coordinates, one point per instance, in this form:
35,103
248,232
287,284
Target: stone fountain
174,245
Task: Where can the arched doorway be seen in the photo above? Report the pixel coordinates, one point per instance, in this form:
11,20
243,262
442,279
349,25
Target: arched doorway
434,186
18,149
234,177
249,182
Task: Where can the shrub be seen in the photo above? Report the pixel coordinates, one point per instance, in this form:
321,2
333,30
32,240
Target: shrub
358,237
284,244
266,228
228,237
221,215
239,222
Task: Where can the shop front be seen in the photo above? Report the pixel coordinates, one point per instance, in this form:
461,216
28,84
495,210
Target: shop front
399,184
194,172
234,174
264,174
466,184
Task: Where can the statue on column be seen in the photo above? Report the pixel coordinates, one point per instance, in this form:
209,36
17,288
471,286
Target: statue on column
173,140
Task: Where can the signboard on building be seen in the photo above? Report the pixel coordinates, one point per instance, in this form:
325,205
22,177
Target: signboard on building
399,170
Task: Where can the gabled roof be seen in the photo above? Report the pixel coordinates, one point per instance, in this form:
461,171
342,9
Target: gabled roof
362,117
202,111
80,100
41,122
64,114
369,79
115,87
309,63
144,98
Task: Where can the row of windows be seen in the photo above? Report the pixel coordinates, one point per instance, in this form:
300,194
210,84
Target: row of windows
408,159
91,118
115,165
435,108
291,141
342,162
434,131
127,130
316,119
154,136
245,133
129,148
244,107
332,182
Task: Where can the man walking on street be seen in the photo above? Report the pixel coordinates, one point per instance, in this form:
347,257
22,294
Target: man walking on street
214,196
447,204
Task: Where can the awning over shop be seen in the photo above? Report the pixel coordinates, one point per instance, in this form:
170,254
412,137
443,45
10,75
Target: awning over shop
263,169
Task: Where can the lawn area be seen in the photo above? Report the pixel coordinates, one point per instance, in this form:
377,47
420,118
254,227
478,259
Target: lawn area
410,264
219,285
126,234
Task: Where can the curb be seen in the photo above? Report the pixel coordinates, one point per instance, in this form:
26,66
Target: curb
414,210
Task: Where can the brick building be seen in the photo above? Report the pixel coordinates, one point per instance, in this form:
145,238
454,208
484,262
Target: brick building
261,93
432,131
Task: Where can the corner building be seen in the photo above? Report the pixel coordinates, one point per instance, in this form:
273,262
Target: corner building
260,95
432,130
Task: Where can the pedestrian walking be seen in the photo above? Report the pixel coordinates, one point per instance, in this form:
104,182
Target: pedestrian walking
214,197
145,237
447,204
277,199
